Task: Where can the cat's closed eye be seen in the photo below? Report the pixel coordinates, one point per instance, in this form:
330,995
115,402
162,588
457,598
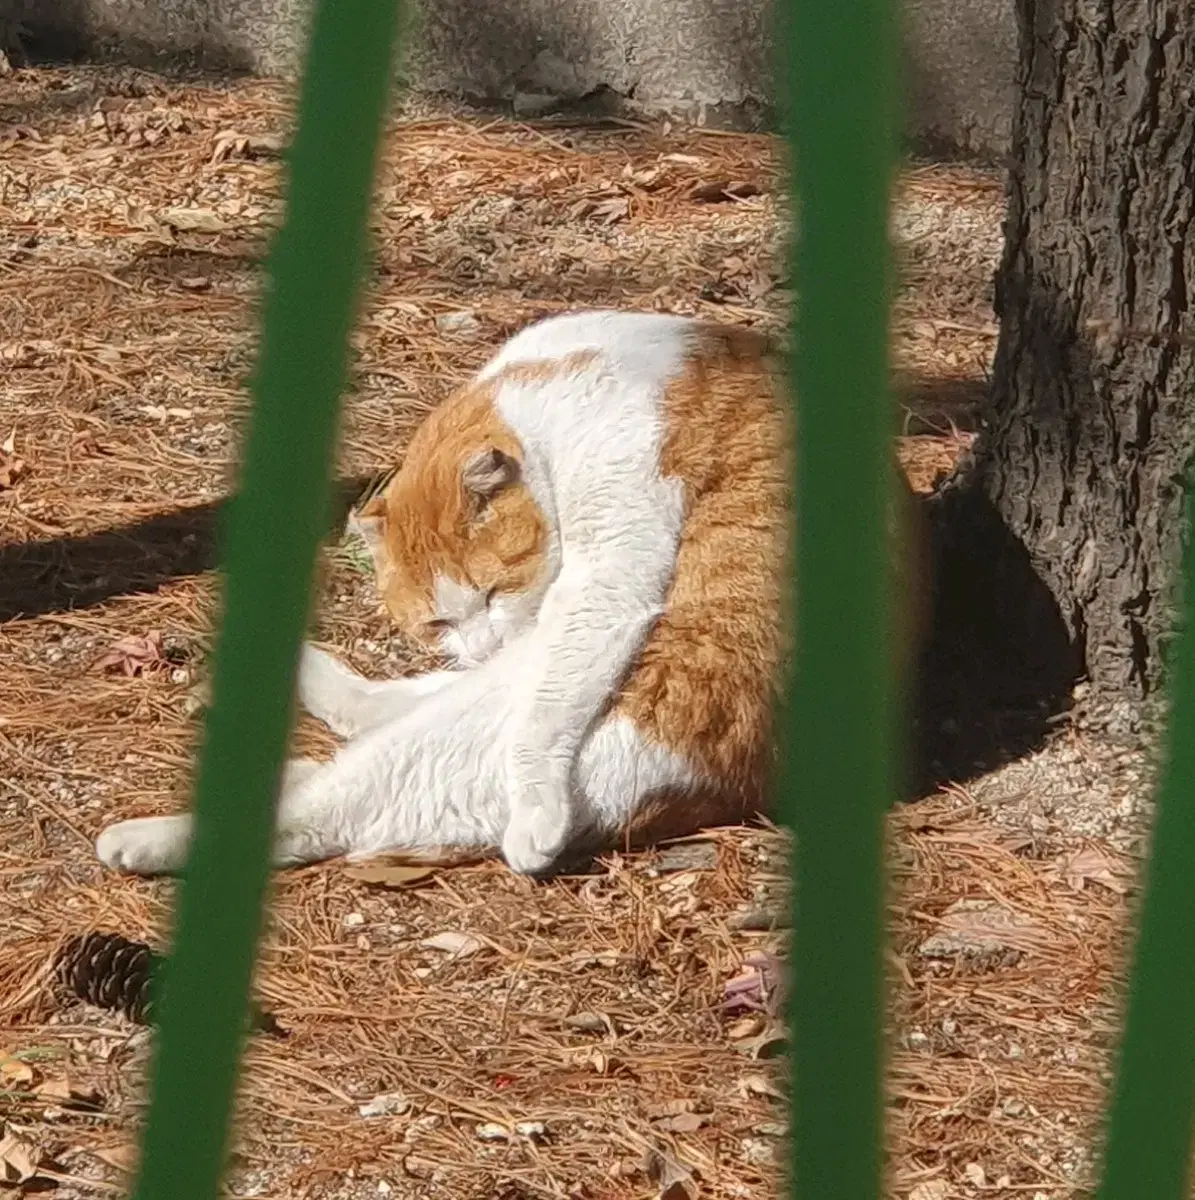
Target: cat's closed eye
439,625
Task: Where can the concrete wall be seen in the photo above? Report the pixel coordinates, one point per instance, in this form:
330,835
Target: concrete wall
960,73
708,60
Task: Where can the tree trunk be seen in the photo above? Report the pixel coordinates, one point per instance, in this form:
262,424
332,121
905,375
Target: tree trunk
1091,425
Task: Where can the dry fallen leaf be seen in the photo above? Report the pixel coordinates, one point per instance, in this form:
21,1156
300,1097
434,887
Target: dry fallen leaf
123,1156
592,1022
627,1168
720,190
647,178
192,220
759,920
680,1188
688,1122
597,1061
687,856
745,1027
18,1159
66,1094
759,986
389,875
463,321
670,1108
673,1178
608,211
931,1189
12,470
606,959
1092,864
231,144
451,941
980,928
759,1085
769,1044
13,1071
133,655
760,1151
198,697
386,1104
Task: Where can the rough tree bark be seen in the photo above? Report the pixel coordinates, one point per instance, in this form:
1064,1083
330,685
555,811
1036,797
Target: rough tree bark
1091,425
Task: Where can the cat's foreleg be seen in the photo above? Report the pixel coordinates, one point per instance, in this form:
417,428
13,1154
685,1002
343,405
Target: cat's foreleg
158,845
585,641
426,781
349,703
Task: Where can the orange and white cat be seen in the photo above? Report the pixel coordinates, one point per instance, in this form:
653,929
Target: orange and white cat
594,532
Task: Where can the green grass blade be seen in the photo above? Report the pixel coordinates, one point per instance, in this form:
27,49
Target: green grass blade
836,735
272,539
1149,1134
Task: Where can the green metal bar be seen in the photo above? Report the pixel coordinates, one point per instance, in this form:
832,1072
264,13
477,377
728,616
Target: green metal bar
837,733
273,534
1148,1150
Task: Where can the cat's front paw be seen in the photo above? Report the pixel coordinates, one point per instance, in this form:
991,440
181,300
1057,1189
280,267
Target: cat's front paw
535,836
320,685
145,846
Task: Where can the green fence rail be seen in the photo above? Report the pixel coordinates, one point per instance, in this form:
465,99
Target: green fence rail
837,732
1148,1153
837,777
274,531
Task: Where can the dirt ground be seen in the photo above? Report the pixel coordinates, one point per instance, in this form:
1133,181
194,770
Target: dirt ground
472,1034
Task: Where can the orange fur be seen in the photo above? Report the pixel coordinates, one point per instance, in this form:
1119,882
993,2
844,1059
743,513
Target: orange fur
430,528
705,681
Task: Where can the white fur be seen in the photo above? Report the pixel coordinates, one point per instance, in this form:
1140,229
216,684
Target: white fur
512,751
478,625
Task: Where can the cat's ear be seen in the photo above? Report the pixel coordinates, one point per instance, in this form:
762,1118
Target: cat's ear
486,473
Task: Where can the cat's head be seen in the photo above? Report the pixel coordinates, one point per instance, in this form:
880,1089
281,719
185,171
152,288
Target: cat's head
461,549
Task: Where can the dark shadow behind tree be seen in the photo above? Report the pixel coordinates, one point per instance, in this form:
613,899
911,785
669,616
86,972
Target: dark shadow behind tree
1090,427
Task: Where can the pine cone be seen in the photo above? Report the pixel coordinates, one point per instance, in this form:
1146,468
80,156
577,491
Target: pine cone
112,972
109,971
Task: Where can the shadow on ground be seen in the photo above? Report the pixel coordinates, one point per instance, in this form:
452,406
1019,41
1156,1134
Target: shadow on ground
60,574
997,669
999,666
936,406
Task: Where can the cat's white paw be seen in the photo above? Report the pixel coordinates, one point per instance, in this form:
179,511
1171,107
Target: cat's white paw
145,846
535,836
320,683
